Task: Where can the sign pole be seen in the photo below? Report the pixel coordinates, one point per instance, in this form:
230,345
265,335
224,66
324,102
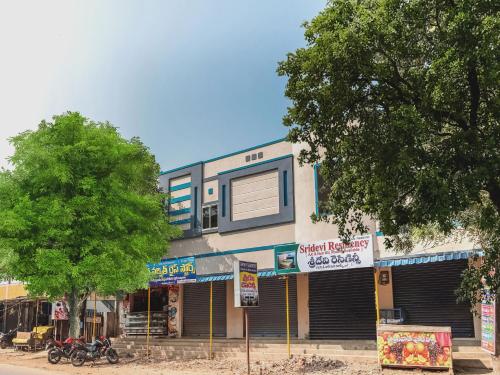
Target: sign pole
149,321
36,318
376,295
247,339
211,321
93,319
287,318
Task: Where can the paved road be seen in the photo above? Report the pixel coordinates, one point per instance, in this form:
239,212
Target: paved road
17,370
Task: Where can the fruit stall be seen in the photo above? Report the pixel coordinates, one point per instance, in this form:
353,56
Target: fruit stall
414,346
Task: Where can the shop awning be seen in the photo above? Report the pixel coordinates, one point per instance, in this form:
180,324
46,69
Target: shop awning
229,276
427,258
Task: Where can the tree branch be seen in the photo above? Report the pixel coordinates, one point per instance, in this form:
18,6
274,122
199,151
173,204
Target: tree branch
475,93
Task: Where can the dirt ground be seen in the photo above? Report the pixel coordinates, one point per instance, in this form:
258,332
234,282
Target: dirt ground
141,366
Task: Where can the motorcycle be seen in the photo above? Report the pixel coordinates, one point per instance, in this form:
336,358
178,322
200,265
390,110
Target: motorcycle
101,347
57,349
6,338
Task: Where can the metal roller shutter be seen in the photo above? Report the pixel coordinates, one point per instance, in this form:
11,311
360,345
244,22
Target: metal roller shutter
196,309
427,293
269,319
342,304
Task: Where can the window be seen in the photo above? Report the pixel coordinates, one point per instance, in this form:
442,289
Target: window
322,191
210,216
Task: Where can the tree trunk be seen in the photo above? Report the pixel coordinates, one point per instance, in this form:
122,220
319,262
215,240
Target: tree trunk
74,305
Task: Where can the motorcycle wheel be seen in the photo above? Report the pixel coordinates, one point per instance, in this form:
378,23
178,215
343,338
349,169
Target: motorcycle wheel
112,356
78,358
54,356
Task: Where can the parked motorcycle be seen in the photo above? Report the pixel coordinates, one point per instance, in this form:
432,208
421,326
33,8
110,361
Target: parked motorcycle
101,347
57,349
6,338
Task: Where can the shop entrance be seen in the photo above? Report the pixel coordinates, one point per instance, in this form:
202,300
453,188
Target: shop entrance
159,300
196,309
269,319
427,294
342,304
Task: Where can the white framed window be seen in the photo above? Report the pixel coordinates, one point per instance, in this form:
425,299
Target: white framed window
209,216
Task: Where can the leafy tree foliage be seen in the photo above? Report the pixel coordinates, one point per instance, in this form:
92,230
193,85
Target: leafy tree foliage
398,100
81,211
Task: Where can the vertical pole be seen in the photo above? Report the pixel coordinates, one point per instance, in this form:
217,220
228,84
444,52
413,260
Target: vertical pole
36,318
149,321
93,320
247,339
287,318
376,295
211,320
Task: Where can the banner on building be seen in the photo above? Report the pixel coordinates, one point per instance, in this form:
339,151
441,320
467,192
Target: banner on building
326,255
414,349
488,323
246,284
60,311
173,271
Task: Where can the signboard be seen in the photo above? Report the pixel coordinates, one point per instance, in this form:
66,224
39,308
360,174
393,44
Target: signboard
246,284
324,255
173,271
60,311
488,324
414,349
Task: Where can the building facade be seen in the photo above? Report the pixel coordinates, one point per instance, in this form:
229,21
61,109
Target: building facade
242,206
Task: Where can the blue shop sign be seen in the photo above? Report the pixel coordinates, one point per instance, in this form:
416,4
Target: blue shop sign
173,271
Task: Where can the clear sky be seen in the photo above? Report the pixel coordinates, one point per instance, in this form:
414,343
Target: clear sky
193,79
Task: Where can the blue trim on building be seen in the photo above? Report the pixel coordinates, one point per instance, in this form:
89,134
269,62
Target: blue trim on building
379,233
427,258
256,164
180,212
230,276
180,222
223,200
179,168
180,187
210,191
180,199
225,156
195,223
316,196
246,150
239,251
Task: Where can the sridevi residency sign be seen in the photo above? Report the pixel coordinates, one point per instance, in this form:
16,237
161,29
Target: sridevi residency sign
326,255
173,271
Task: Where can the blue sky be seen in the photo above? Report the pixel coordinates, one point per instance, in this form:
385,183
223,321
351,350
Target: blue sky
193,79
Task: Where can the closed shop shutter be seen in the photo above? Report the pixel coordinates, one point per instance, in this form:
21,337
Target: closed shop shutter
196,309
269,319
342,304
427,293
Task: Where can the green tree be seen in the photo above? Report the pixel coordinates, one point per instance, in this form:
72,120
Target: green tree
81,212
398,100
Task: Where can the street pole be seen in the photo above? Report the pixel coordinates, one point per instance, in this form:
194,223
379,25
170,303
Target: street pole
247,339
149,321
211,320
93,320
376,296
287,318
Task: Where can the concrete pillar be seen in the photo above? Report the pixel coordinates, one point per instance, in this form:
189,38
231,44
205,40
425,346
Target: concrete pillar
303,305
234,316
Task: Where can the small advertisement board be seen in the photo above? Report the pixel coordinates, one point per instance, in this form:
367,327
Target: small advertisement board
173,271
60,311
326,255
424,347
246,284
488,323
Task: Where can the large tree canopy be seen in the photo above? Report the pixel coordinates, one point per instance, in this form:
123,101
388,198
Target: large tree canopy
398,99
81,211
